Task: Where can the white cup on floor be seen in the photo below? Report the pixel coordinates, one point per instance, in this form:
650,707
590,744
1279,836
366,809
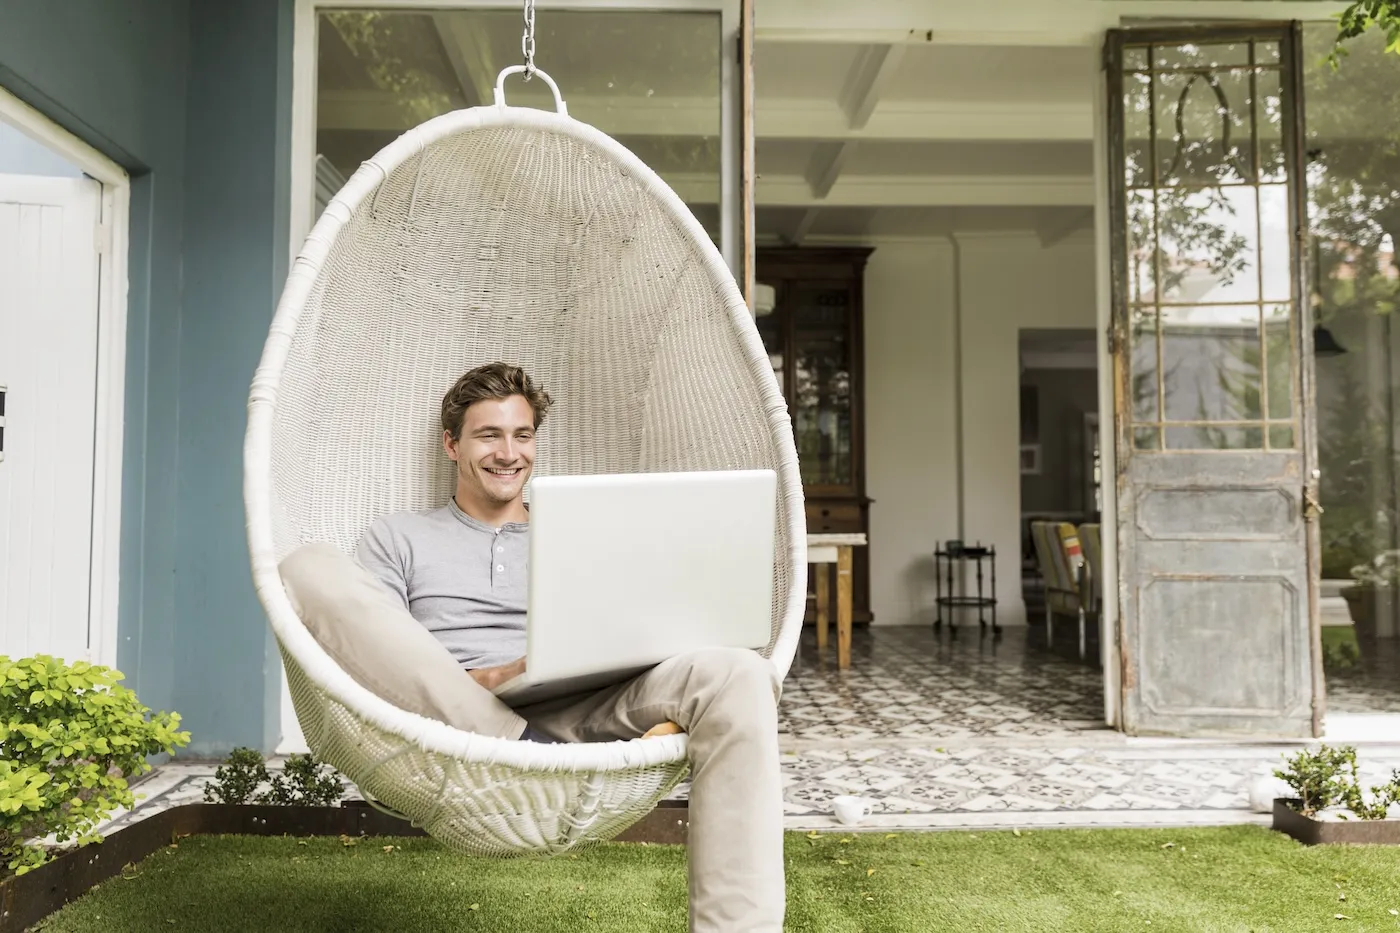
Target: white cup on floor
851,810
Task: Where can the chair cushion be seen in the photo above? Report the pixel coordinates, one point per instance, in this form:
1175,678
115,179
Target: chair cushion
368,632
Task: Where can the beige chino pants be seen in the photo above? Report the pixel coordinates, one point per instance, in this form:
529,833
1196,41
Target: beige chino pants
725,699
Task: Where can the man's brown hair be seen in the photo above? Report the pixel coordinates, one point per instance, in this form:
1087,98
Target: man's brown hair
492,381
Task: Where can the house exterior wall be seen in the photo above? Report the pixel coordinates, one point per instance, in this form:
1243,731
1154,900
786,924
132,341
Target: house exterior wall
194,101
114,74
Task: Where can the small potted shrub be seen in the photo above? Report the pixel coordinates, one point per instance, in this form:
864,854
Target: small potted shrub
1330,804
1371,597
70,737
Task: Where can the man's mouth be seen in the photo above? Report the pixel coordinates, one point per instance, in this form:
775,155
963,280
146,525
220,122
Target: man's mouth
506,474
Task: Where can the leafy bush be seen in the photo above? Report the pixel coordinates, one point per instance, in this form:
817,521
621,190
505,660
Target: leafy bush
238,778
70,736
1328,777
301,782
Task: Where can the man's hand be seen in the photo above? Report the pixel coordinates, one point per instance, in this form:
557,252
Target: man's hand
493,677
665,728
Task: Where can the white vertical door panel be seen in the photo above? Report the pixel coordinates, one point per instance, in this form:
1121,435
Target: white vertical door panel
48,371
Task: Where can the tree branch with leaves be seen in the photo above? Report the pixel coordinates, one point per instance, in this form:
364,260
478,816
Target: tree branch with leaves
1363,16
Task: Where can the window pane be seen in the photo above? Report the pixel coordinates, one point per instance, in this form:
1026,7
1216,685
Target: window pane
651,80
1203,127
1214,437
1147,439
1269,114
1209,241
1212,365
1142,253
1278,344
1144,368
1276,272
1200,56
1137,127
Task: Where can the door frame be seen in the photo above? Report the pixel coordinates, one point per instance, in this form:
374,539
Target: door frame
1110,651
112,242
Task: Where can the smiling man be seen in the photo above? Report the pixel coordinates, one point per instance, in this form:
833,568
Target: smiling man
462,571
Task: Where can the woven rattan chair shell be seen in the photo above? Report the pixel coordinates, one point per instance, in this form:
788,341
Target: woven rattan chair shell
521,235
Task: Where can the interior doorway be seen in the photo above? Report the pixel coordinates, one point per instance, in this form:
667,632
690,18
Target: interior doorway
1061,497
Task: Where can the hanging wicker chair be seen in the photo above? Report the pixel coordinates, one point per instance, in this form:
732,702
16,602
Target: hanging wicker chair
499,233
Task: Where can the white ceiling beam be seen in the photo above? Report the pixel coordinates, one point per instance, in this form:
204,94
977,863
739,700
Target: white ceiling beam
827,162
905,191
804,226
871,71
868,76
929,121
1060,228
906,37
1006,22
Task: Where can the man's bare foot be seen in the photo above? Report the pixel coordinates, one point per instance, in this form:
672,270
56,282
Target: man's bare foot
665,728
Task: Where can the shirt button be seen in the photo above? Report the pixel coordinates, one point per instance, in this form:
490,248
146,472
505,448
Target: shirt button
500,550
500,568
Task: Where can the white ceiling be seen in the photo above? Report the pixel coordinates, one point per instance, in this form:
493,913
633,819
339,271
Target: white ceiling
916,139
853,140
892,136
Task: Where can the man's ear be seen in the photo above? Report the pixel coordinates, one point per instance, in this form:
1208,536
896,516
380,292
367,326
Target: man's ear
449,444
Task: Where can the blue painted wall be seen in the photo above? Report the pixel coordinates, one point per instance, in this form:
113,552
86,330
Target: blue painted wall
236,194
194,100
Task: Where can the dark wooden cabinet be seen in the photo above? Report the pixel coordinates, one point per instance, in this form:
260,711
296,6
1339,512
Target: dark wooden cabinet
814,338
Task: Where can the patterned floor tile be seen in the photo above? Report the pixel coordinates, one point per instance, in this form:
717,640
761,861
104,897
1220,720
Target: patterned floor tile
940,732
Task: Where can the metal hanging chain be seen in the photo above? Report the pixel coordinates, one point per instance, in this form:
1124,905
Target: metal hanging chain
527,40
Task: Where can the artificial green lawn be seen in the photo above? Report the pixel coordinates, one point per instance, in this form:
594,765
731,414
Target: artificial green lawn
1233,879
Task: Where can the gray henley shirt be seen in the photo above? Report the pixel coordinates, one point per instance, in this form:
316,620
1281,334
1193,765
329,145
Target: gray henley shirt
465,581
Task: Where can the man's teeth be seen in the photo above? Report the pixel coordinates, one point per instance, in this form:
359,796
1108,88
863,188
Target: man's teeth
504,472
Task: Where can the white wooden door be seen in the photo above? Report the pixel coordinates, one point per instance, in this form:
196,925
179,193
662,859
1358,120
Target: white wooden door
48,374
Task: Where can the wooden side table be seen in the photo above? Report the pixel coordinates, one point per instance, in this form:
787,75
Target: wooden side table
834,549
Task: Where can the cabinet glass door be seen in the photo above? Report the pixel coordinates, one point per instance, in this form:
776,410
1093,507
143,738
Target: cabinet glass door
821,398
772,330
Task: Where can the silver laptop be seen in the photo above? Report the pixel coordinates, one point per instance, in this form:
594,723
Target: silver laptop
629,570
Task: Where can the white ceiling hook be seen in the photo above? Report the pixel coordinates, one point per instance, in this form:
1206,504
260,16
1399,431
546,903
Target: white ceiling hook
500,94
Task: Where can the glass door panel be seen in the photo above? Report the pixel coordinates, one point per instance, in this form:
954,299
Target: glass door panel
821,390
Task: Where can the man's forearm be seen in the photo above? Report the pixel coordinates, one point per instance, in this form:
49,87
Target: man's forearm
493,677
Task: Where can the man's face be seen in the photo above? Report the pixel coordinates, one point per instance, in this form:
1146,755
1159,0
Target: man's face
496,449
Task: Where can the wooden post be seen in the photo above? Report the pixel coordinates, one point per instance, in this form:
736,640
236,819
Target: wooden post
843,608
823,603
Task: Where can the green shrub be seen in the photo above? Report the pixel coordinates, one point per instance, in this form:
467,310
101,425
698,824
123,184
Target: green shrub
300,783
1318,777
1328,777
70,736
237,779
